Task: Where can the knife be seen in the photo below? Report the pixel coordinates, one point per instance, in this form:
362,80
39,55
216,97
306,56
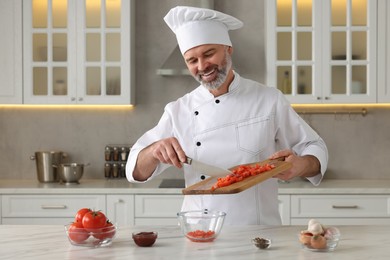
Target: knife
207,169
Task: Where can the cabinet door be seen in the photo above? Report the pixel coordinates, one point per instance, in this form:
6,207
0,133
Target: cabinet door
120,209
322,51
11,52
157,209
77,52
284,208
383,51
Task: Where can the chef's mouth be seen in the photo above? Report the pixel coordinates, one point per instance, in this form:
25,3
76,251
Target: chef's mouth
209,75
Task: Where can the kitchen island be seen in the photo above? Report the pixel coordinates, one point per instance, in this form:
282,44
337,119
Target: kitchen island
50,242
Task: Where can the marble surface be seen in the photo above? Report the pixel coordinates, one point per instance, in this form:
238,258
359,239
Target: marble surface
112,186
50,242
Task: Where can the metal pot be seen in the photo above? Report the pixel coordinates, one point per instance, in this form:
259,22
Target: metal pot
45,162
70,173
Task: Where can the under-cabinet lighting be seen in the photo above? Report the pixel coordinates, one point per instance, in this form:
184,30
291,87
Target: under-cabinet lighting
71,107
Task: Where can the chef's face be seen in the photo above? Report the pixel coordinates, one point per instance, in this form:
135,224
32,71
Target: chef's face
209,64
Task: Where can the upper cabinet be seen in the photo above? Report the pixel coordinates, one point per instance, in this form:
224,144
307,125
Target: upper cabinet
384,51
323,51
11,52
77,52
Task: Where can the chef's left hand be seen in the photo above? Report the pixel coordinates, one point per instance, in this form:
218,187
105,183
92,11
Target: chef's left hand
303,166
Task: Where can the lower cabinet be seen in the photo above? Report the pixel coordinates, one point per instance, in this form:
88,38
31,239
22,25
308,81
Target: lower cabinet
157,209
120,209
341,209
46,209
284,208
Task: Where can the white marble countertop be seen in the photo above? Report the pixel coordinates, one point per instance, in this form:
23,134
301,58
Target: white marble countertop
122,186
50,242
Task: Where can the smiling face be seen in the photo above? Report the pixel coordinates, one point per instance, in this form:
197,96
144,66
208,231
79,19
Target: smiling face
210,65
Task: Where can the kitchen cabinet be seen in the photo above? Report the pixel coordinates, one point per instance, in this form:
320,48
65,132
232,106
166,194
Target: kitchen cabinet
323,51
383,51
11,52
44,209
120,209
78,52
284,208
151,209
341,209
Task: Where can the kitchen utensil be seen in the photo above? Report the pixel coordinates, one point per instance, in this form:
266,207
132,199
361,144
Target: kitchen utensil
44,163
70,173
204,187
207,169
201,225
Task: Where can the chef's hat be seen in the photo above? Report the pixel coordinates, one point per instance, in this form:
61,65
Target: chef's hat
197,26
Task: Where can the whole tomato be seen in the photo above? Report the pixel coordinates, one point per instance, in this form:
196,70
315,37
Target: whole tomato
107,232
94,221
80,214
77,233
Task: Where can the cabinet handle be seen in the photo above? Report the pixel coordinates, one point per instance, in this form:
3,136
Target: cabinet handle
345,207
318,98
53,206
72,99
327,98
81,99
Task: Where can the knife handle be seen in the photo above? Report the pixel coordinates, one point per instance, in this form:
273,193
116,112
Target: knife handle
188,160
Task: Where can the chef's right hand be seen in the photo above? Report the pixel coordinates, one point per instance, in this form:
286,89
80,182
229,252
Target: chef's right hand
169,151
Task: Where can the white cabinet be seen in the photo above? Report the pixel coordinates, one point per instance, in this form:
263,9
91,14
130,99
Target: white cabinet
11,52
120,209
157,209
284,208
383,51
48,208
323,51
341,209
78,52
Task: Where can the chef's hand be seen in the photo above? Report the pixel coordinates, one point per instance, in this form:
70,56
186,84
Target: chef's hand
302,166
166,151
169,151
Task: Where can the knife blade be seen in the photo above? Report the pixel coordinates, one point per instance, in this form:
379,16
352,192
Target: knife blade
207,169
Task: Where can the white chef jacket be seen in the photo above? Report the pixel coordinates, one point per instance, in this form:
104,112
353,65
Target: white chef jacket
247,124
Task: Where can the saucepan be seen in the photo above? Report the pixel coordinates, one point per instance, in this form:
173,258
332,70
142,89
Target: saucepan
70,173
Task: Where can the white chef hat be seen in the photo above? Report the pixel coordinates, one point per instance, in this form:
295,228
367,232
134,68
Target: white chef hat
197,26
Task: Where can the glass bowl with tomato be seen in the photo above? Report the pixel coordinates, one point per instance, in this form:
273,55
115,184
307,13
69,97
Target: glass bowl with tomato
201,225
90,229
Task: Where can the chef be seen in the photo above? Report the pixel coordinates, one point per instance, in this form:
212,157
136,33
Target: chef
228,120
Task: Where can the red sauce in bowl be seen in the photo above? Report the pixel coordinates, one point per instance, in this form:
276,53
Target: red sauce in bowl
145,239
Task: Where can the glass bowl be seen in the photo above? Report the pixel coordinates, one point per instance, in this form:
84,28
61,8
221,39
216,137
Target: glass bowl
201,225
261,243
93,238
331,236
144,239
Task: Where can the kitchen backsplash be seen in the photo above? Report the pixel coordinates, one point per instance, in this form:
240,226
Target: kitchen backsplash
358,146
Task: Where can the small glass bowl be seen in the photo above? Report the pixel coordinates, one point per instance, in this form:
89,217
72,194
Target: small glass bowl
144,239
332,236
98,238
201,225
261,243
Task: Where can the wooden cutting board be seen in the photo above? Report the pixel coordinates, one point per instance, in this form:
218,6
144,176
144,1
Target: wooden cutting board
204,187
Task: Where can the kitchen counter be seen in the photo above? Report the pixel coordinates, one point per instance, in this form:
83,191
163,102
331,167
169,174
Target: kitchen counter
50,242
115,186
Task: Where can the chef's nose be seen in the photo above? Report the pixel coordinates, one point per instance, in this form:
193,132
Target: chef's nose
203,64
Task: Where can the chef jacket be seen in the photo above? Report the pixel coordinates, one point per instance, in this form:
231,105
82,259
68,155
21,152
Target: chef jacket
247,124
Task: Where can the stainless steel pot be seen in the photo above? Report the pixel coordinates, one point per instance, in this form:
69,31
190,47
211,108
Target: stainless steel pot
70,173
45,161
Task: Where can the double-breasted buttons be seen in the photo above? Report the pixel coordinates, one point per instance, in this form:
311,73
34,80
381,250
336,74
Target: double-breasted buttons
198,143
217,101
196,113
202,177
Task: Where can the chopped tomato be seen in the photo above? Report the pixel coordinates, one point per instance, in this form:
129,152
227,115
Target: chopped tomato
201,236
240,173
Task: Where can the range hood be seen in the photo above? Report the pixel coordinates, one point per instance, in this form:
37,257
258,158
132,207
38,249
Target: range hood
174,65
